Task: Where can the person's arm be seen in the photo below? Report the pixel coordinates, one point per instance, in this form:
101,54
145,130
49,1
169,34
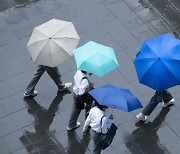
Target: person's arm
86,125
104,125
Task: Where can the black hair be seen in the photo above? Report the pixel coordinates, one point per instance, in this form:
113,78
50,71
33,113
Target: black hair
83,71
99,105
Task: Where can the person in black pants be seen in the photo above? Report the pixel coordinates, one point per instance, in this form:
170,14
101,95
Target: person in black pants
82,99
53,72
164,96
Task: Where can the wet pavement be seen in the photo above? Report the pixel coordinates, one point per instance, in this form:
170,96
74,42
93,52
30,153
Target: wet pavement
39,125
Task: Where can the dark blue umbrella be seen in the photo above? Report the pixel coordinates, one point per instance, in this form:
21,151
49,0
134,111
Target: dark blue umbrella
158,62
115,97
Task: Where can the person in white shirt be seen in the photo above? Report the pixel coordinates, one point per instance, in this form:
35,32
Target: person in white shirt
99,123
82,99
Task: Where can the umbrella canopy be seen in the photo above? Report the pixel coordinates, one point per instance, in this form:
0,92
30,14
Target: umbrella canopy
52,42
158,62
95,58
115,97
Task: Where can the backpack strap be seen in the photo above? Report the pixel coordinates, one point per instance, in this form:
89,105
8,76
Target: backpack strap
101,122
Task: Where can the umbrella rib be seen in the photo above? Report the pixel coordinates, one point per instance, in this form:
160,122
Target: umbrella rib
60,46
170,71
62,29
41,49
37,41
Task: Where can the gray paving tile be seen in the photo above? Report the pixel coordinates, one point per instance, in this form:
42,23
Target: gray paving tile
82,22
48,6
60,13
159,27
130,20
12,103
2,112
7,36
120,34
175,126
103,15
5,89
147,14
4,148
107,2
142,33
4,56
163,137
173,147
22,118
133,50
99,35
136,4
7,126
21,151
14,16
12,141
120,8
128,147
12,68
14,82
5,5
119,79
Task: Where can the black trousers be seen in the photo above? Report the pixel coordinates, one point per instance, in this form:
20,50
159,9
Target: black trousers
80,103
158,97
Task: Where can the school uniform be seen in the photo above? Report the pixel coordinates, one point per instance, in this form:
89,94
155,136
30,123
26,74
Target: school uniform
98,125
80,98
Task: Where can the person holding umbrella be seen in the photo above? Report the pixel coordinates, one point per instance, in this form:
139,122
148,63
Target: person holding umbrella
50,44
164,96
99,123
82,99
157,66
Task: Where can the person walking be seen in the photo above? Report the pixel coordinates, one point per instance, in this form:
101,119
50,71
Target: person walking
99,123
53,72
164,96
82,99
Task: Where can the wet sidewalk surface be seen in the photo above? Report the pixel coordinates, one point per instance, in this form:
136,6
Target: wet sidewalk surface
39,125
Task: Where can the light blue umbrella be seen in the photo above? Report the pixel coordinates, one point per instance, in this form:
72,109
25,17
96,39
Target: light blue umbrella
116,97
158,62
95,58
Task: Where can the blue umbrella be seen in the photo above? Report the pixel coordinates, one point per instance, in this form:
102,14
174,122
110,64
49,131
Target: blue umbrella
158,62
115,97
95,58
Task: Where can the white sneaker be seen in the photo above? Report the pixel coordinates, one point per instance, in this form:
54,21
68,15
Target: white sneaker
71,128
142,117
66,86
171,102
30,95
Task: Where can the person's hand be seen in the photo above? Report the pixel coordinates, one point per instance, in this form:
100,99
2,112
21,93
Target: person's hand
111,117
84,132
92,85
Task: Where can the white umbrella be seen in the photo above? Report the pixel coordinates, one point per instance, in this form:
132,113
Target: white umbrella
53,42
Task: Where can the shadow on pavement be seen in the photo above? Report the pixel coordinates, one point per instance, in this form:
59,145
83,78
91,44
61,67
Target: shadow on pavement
41,139
145,137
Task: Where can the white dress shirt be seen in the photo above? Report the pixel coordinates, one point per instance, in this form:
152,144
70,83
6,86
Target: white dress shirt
80,85
94,119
